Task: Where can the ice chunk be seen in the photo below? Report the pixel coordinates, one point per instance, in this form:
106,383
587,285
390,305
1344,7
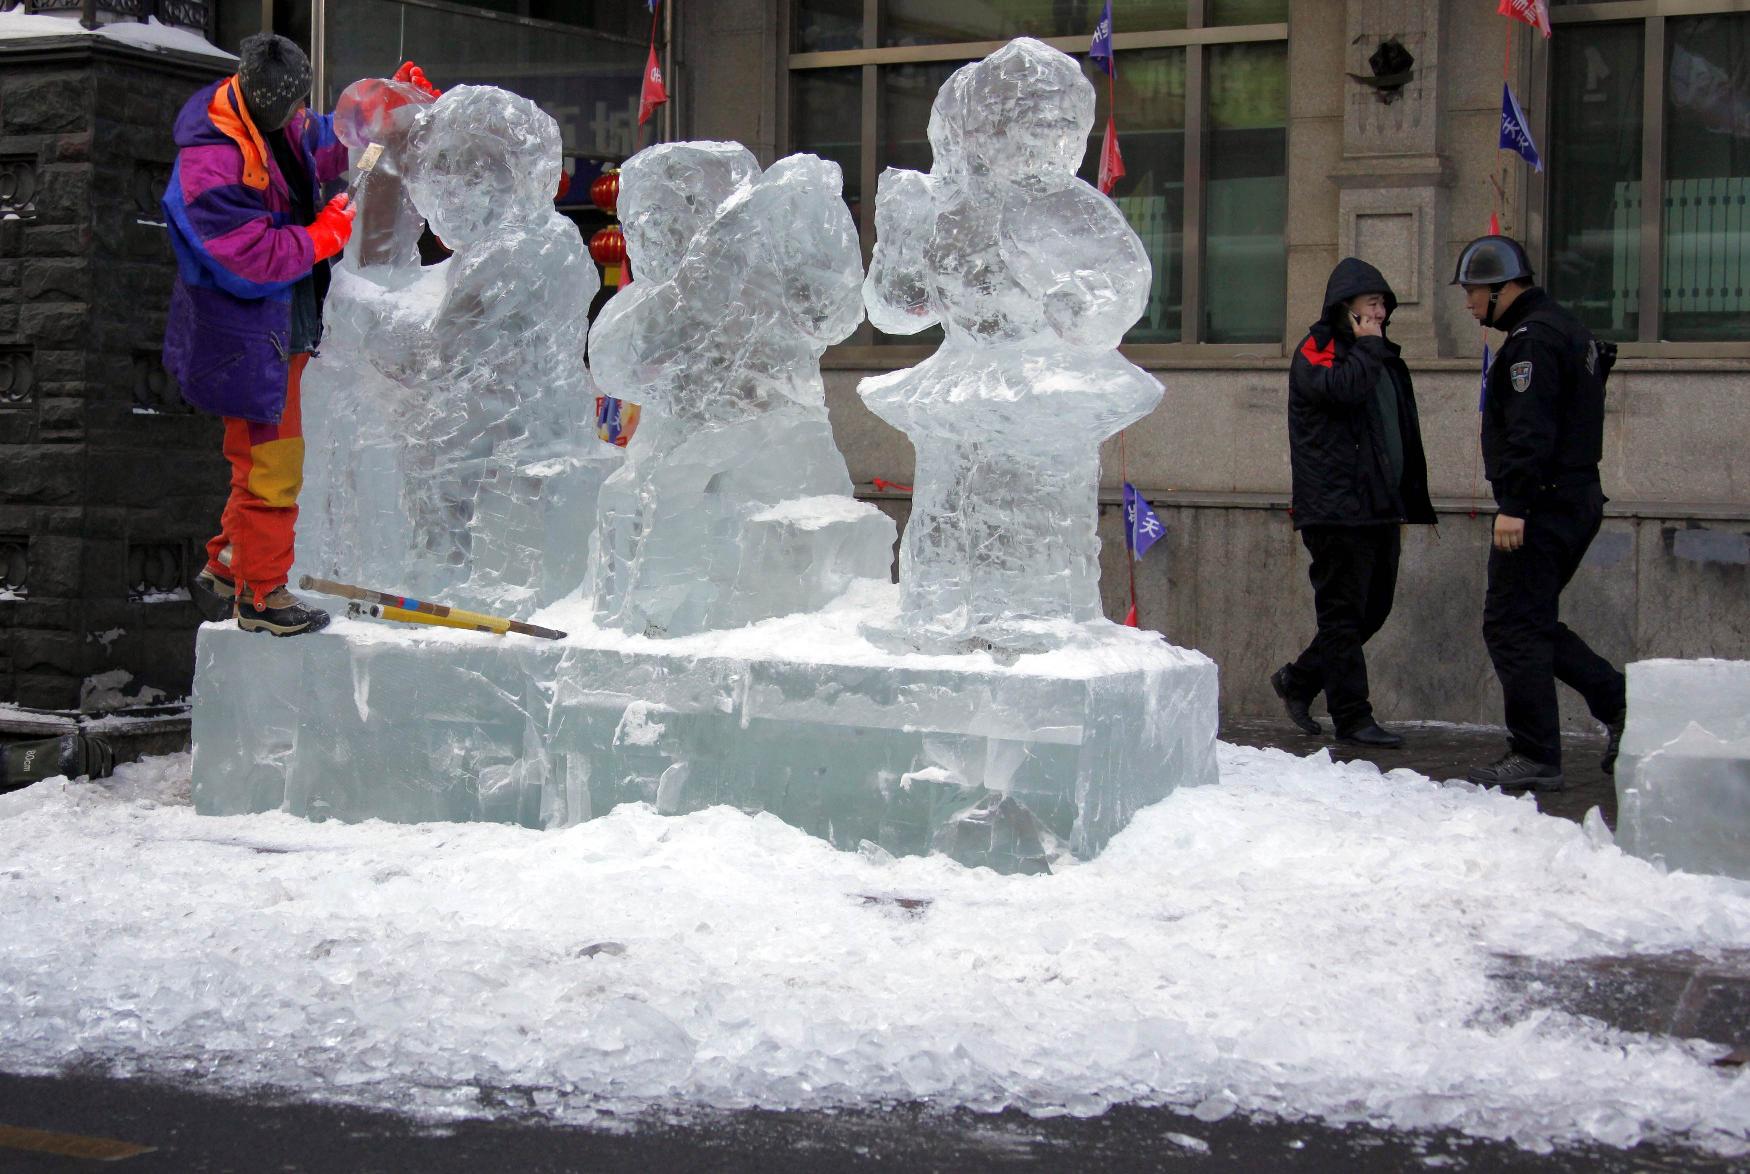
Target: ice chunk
1683,777
743,280
454,452
1035,277
1007,765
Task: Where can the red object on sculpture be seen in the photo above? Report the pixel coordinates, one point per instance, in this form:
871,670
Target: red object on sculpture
604,191
608,246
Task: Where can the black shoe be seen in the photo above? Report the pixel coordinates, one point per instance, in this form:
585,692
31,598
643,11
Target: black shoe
281,613
1515,772
1299,712
1612,742
215,597
1372,734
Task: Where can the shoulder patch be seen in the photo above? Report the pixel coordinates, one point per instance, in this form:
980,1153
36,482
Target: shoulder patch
1519,331
1318,356
1520,373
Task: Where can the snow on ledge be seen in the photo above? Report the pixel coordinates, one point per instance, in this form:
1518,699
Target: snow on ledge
151,35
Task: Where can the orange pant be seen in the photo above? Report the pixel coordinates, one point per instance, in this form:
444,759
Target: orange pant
267,470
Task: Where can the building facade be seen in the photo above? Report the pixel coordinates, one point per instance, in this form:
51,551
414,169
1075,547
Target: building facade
1263,140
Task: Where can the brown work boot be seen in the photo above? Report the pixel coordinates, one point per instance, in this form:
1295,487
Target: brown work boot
281,613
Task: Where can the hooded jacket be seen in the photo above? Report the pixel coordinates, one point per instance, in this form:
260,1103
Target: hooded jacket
1336,432
238,251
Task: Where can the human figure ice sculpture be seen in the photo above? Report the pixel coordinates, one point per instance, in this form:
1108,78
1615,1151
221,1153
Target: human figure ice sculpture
1035,277
734,503
488,422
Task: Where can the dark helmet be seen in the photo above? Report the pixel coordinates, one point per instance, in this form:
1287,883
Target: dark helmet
1491,260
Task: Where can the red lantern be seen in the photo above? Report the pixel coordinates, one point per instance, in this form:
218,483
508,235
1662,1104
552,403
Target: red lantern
608,247
604,192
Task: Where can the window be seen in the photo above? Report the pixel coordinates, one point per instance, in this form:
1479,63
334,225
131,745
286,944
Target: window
1679,270
1202,110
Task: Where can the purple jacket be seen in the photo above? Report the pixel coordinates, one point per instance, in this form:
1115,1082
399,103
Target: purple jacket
238,254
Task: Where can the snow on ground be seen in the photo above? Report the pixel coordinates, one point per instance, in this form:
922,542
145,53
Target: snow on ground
1305,938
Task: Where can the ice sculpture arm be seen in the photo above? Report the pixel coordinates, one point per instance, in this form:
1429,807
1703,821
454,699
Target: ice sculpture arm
897,291
807,244
1075,247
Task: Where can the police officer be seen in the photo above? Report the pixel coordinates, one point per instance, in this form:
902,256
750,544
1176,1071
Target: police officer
1543,435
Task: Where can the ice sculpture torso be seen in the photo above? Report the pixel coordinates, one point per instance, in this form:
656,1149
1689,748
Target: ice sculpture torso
734,503
1035,277
482,419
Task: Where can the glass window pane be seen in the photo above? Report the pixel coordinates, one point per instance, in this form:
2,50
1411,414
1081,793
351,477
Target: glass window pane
1151,138
1246,197
1706,285
826,118
1225,12
1593,165
935,22
588,83
821,26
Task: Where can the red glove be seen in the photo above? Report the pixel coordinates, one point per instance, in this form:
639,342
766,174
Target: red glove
332,227
414,76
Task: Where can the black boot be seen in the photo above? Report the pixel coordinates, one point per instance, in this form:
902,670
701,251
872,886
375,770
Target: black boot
1372,734
1515,772
1299,712
1612,742
281,613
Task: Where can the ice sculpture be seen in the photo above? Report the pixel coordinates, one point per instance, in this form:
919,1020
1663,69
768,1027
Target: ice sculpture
453,448
1683,778
1035,277
734,503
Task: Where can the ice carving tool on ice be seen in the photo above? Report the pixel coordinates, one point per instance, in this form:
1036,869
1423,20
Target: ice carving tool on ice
366,161
421,611
400,614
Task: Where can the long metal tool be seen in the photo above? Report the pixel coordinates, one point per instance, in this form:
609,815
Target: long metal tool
453,617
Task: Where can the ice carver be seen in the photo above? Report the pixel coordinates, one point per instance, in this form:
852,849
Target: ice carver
1355,446
1543,436
253,223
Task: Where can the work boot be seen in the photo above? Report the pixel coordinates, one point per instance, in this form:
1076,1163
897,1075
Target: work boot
1299,712
281,613
1515,772
1612,742
1372,734
214,595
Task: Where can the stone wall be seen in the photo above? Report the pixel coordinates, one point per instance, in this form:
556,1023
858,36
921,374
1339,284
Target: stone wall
109,484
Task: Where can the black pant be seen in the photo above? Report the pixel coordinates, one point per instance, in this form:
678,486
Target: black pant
1354,576
1531,647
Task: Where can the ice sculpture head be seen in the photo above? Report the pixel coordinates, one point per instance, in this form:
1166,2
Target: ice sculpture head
1023,113
669,193
480,157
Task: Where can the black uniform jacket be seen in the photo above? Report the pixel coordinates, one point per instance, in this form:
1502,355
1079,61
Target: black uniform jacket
1336,434
1543,410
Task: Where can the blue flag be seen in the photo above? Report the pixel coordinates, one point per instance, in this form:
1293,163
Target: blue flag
1141,528
1515,131
1101,48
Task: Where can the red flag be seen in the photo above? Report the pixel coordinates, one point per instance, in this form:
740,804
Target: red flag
1494,224
1533,12
1111,162
654,92
1130,617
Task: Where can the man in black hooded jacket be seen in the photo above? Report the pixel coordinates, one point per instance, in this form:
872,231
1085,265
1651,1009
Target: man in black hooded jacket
1355,444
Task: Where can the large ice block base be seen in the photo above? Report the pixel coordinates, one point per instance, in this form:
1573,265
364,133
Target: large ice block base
1006,765
1683,777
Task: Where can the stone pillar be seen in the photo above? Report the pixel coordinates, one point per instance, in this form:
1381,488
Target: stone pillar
109,484
1394,182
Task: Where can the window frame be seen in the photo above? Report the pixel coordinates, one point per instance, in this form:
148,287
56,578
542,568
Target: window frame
1651,15
861,350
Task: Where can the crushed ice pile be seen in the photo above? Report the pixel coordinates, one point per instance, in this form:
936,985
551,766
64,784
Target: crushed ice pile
1305,938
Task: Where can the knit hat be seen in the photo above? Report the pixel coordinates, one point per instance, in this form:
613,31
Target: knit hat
276,77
